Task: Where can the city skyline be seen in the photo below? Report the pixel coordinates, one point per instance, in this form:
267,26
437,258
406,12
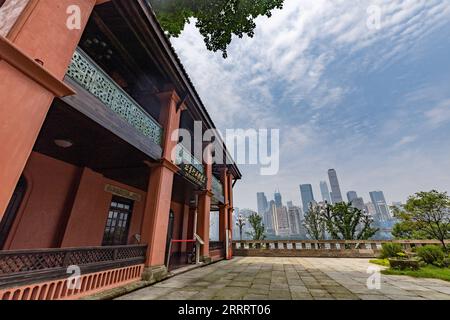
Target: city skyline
317,195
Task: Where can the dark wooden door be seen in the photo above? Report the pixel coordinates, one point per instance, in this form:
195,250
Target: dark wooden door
11,210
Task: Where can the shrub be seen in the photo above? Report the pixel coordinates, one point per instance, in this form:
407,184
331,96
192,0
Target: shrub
431,254
390,250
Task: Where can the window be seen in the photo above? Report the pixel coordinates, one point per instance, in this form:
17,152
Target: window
118,222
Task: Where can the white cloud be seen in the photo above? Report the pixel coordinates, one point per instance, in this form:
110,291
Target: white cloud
285,78
439,115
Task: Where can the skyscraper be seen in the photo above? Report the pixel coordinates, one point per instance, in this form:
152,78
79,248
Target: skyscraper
277,198
270,218
307,196
358,203
294,220
336,195
261,203
381,207
351,195
325,191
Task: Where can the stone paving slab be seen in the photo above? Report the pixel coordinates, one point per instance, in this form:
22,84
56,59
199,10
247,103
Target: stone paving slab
266,278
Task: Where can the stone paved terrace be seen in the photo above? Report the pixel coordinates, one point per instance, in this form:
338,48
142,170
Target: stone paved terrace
260,278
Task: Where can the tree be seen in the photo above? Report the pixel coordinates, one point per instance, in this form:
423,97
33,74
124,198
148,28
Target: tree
255,221
406,228
314,223
345,222
217,20
425,215
240,223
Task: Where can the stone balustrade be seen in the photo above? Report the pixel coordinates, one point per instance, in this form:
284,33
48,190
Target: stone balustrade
324,248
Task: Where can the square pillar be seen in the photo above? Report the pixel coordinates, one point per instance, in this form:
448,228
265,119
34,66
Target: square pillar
155,220
33,58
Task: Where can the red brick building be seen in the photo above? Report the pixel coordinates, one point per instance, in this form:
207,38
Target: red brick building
86,167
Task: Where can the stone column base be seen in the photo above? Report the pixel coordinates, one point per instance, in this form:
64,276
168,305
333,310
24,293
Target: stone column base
206,259
154,273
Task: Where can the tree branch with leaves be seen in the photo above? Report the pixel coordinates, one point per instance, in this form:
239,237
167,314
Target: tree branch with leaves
217,20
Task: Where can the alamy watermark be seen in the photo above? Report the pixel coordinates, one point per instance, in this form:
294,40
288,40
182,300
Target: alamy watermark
243,146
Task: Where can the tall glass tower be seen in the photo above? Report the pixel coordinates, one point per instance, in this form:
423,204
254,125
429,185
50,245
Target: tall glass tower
336,195
307,195
325,191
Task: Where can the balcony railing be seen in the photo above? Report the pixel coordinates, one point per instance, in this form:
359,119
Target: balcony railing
91,77
24,265
217,189
325,248
185,156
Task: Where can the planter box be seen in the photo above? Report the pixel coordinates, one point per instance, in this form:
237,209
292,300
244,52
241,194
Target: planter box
404,264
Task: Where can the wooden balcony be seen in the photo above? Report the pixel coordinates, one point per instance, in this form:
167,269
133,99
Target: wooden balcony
88,75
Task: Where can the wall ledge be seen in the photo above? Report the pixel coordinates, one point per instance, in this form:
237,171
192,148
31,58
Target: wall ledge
28,66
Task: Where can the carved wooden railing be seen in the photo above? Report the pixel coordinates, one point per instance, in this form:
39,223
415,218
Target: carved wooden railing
91,77
217,189
325,248
23,266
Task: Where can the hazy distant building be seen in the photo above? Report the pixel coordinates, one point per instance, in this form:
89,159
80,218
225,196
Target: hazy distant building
277,198
307,195
370,208
358,203
270,218
351,195
283,221
381,207
294,220
290,204
336,195
261,203
325,191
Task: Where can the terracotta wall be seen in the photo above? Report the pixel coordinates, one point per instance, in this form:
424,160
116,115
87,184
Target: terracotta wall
49,184
90,210
65,206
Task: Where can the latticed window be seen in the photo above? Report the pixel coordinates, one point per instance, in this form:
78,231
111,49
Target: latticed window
118,222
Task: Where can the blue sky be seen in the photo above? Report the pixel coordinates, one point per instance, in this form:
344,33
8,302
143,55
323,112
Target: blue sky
373,104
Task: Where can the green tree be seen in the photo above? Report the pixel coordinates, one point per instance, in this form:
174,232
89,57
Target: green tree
345,222
217,20
426,215
314,223
240,223
255,221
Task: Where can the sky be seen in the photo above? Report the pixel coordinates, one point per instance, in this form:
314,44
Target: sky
371,102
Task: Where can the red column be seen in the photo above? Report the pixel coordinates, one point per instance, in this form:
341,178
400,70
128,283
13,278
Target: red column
230,214
156,214
204,210
27,88
223,211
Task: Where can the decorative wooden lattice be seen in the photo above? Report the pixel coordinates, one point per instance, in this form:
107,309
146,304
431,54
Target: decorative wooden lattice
26,261
92,78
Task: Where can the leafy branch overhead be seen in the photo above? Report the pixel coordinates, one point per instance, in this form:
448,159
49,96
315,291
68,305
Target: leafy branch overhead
217,20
